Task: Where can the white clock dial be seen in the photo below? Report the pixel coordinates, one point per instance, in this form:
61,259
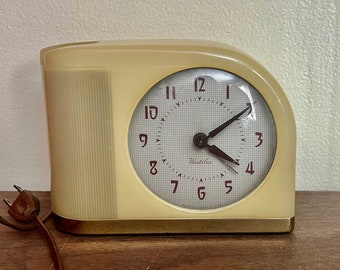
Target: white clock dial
202,139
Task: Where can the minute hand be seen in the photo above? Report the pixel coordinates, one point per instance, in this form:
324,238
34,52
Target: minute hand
217,130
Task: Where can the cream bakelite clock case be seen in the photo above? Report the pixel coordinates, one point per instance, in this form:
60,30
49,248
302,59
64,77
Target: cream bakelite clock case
167,136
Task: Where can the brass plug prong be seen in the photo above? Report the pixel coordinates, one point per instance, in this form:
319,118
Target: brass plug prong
7,202
18,188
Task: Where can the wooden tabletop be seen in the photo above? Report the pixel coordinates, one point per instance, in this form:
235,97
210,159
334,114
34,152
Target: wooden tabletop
314,244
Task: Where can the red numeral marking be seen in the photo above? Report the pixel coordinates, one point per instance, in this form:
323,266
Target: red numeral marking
201,193
175,183
259,138
199,83
227,184
151,112
143,138
170,94
227,92
250,168
153,169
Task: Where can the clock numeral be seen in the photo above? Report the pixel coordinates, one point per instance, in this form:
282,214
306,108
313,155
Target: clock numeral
175,183
259,138
227,184
143,138
201,193
199,83
227,92
250,168
151,112
170,94
153,169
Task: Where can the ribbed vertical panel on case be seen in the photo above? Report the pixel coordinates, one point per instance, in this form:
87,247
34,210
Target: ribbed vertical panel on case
79,108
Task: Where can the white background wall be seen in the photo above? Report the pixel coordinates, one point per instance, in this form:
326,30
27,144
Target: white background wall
296,40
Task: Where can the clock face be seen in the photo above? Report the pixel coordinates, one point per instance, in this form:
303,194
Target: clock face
202,139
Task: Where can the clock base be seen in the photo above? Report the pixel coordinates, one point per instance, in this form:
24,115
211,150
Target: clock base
169,226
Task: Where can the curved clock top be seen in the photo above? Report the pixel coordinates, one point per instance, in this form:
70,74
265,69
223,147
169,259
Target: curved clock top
136,53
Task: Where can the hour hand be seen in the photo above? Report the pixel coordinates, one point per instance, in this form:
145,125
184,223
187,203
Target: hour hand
218,152
201,141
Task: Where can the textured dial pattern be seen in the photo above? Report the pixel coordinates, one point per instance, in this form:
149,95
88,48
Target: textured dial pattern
202,139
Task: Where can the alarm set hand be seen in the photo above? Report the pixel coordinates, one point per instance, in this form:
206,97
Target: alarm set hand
218,152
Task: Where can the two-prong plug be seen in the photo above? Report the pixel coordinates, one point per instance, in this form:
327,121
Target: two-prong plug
25,209
25,206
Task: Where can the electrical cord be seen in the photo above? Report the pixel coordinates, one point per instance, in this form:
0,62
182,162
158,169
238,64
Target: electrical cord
25,212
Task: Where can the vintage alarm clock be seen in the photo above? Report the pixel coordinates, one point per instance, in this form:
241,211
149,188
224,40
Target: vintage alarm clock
167,136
